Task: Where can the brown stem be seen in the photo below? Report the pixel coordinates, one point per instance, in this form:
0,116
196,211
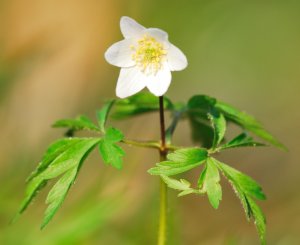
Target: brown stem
163,187
162,126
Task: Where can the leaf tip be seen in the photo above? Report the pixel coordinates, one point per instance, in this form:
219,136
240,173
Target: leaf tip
283,147
151,171
43,225
15,218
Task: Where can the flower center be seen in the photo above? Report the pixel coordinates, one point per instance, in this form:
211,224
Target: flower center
149,54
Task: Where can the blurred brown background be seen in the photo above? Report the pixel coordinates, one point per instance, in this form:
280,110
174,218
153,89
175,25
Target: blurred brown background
52,66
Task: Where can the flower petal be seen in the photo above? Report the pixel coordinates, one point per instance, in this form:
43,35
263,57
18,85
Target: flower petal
131,81
130,28
159,35
120,54
159,83
176,59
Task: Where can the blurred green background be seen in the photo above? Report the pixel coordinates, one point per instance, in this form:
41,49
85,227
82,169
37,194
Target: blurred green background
246,53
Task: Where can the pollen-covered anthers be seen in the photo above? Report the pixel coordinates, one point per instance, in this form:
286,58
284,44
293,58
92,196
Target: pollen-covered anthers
149,54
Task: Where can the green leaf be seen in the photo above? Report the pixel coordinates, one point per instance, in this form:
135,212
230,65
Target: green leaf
188,155
69,158
138,104
249,186
218,123
110,152
201,132
32,190
202,177
241,140
80,123
202,103
197,109
167,168
103,114
58,193
260,220
180,185
243,198
248,122
252,210
113,135
52,152
209,181
58,160
246,188
180,161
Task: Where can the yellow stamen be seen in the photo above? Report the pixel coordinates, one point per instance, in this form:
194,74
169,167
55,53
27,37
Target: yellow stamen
149,54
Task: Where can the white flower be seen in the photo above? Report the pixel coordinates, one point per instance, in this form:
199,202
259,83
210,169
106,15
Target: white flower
146,58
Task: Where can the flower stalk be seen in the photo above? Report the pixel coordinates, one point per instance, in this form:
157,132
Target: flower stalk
162,228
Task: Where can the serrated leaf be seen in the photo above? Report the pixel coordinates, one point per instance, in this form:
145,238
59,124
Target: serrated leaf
252,210
188,155
248,122
218,123
182,185
59,162
245,183
180,161
138,104
199,105
241,140
260,220
58,193
102,115
186,192
79,123
243,198
246,188
113,135
110,152
69,158
32,190
176,184
53,151
163,169
210,183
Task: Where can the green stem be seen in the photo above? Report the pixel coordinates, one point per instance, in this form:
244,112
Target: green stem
162,228
162,214
150,144
147,144
172,127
